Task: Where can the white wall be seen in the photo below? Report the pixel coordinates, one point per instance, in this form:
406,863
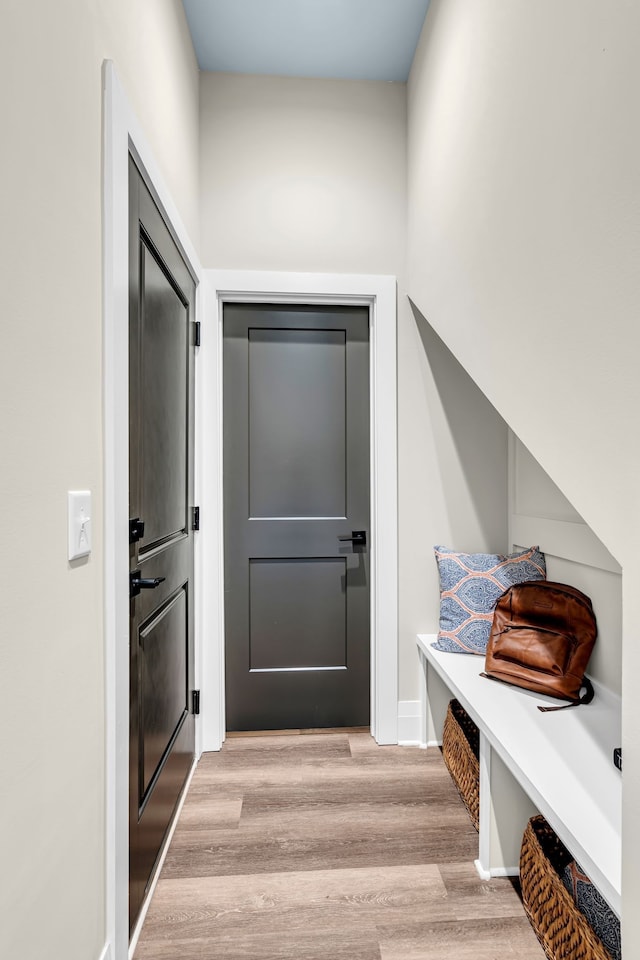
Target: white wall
302,175
151,47
524,233
524,252
455,483
310,175
52,723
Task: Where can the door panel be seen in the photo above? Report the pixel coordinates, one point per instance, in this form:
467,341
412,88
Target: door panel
296,469
297,423
305,601
161,727
163,406
163,648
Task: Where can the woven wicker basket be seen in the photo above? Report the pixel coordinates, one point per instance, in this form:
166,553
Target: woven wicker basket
558,924
460,750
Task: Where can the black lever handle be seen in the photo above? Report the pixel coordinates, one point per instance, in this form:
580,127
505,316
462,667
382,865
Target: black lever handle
138,583
358,538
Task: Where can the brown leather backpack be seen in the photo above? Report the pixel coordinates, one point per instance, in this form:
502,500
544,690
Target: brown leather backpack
541,639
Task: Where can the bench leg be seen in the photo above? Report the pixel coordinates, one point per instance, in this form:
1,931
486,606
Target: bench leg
504,812
435,698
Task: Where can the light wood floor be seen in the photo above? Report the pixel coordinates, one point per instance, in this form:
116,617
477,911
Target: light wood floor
316,846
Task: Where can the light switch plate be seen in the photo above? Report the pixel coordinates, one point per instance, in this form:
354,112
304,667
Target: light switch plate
79,523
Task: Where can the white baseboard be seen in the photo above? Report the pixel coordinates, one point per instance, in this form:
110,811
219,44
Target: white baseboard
409,723
495,872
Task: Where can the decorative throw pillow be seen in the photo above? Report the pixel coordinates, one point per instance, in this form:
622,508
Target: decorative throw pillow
470,584
594,907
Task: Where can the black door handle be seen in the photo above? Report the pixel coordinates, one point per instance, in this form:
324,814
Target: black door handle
358,538
138,583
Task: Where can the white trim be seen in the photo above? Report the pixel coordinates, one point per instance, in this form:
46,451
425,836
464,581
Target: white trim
200,484
563,538
379,293
409,723
480,870
212,555
483,863
495,871
122,129
511,486
106,952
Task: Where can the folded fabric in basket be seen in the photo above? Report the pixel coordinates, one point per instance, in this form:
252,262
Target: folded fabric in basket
594,907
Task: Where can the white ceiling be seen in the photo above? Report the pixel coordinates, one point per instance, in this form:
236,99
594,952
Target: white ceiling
346,39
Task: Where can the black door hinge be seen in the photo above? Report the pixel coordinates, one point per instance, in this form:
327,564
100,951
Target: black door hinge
136,530
195,702
196,333
195,520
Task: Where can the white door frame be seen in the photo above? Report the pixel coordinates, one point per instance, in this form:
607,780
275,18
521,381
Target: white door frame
379,294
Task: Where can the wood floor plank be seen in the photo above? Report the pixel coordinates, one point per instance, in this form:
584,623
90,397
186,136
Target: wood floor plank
321,900
326,731
316,817
231,782
506,938
298,845
207,811
352,944
345,783
337,785
243,734
472,898
262,751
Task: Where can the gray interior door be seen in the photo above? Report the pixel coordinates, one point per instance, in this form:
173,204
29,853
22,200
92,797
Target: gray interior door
161,354
296,479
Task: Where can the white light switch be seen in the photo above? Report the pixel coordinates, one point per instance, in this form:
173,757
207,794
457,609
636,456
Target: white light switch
79,523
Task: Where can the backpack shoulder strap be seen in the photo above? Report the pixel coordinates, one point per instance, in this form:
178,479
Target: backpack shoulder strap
586,697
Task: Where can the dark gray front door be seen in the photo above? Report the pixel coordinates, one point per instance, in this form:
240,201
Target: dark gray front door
296,479
161,351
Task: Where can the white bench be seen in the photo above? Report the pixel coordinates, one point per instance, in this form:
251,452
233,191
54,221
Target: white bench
557,764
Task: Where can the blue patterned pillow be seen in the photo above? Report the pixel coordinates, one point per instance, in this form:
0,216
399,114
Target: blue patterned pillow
470,584
594,907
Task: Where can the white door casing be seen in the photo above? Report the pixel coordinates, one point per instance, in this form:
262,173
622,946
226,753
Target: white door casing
379,294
